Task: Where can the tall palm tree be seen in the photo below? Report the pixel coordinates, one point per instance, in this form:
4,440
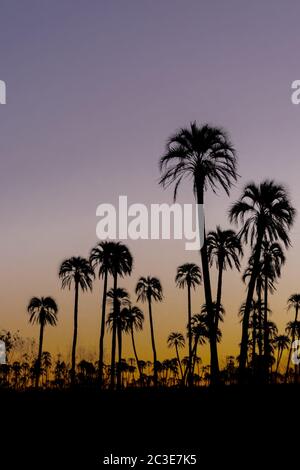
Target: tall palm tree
149,289
188,275
281,343
121,262
76,271
224,248
133,321
177,341
293,302
116,320
101,258
272,261
266,214
206,155
43,311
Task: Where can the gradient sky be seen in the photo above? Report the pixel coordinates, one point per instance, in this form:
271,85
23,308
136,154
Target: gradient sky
93,91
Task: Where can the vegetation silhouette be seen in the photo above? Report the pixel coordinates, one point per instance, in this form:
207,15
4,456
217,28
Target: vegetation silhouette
264,215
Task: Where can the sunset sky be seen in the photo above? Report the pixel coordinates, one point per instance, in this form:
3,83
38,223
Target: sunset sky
94,89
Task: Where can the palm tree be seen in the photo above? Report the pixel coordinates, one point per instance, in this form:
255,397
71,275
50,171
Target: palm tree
272,260
266,214
293,302
281,342
225,250
133,321
176,340
101,258
77,271
44,312
188,275
116,320
207,156
46,363
149,289
121,262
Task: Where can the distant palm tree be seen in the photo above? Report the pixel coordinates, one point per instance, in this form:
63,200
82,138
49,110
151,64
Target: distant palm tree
133,321
101,258
44,312
46,363
266,214
281,343
121,262
207,156
77,271
272,261
117,322
293,302
188,275
149,289
224,248
177,341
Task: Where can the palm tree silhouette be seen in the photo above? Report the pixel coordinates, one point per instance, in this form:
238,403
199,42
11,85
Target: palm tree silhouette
266,214
281,343
272,261
43,311
177,341
207,156
77,271
133,321
188,275
121,262
101,258
116,321
225,250
148,289
293,302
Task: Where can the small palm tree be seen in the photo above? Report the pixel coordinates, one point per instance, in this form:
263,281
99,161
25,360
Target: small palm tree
293,302
177,341
121,262
224,248
101,258
188,275
149,289
119,298
44,312
281,343
76,271
266,214
133,321
206,155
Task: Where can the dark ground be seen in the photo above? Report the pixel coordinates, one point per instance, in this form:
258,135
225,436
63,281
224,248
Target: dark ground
232,427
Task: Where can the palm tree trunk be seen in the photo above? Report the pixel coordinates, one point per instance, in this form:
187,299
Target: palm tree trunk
290,350
135,353
178,359
219,292
153,341
254,341
279,354
39,360
190,376
102,329
73,363
214,362
250,293
114,336
266,332
119,368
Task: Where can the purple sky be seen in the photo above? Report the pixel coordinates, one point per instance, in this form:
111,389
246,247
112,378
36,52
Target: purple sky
93,91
